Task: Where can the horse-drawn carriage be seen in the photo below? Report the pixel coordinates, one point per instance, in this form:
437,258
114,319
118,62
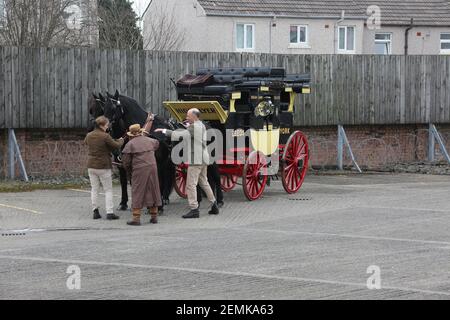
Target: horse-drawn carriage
256,105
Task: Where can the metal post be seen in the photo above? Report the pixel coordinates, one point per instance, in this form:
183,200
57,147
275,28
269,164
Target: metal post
11,153
437,136
14,151
340,150
19,157
431,144
342,138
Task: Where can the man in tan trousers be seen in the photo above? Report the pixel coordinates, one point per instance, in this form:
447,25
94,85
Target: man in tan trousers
198,162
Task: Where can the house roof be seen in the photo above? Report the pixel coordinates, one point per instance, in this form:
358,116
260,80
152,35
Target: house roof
393,12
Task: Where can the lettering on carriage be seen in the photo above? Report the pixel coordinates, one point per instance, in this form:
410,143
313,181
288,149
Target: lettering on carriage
202,110
238,133
285,130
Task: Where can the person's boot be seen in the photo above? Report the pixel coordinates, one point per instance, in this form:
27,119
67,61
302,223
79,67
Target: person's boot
154,214
123,207
112,216
97,214
214,209
136,218
193,214
220,204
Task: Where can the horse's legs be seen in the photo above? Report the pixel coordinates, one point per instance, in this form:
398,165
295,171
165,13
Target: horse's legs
124,185
214,180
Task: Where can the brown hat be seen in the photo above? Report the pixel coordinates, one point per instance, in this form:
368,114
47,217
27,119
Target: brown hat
135,130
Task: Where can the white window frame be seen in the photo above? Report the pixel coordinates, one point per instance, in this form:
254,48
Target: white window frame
441,41
385,41
245,49
299,44
346,51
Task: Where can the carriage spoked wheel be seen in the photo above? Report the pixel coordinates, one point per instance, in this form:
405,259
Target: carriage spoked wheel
228,182
254,178
181,180
295,162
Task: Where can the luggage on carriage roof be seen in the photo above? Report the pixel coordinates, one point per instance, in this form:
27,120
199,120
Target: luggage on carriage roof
220,81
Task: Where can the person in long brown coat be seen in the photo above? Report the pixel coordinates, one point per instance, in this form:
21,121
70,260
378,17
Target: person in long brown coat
139,159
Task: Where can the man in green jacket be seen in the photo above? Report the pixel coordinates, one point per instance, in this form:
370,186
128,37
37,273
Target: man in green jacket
101,144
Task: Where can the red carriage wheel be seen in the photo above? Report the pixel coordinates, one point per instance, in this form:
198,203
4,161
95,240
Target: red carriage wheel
254,178
228,182
181,180
295,162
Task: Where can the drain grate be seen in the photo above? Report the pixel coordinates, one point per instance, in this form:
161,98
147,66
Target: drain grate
300,199
13,234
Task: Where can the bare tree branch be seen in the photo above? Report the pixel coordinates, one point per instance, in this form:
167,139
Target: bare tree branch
46,23
162,31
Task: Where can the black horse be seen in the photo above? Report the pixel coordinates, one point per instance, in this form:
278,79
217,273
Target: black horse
122,112
98,104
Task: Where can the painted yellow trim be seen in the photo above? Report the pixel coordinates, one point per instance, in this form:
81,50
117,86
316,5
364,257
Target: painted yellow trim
210,110
291,102
232,106
265,141
264,89
306,90
288,89
236,95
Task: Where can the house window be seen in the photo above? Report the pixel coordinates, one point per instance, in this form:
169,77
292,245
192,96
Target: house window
445,43
346,39
383,43
245,37
299,35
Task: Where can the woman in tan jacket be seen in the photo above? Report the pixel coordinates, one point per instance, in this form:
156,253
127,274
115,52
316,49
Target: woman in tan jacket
101,144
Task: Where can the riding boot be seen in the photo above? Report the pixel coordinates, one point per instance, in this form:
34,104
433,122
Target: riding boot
154,215
136,218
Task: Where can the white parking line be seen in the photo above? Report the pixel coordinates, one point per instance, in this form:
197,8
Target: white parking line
87,191
340,235
19,208
218,272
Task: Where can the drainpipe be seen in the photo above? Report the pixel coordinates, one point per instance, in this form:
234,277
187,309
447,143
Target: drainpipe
407,34
272,24
336,29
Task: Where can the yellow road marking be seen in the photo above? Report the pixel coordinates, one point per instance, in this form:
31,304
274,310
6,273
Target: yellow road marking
19,208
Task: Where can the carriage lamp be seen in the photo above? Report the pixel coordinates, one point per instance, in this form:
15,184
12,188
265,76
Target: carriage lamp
265,108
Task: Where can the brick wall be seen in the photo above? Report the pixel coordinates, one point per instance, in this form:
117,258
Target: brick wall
62,153
374,146
49,153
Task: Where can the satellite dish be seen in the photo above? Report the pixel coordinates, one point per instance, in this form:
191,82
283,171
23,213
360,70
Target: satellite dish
74,17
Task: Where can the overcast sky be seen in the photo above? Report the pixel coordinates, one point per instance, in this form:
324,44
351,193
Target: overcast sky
139,6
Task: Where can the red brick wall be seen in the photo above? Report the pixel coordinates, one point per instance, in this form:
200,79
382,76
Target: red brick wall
49,153
374,146
62,153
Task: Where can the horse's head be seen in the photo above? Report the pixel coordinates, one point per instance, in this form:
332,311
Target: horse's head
113,110
97,105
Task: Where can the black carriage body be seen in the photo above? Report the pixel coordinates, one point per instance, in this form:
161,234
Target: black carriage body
239,91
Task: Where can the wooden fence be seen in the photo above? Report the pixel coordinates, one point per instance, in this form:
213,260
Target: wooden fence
49,87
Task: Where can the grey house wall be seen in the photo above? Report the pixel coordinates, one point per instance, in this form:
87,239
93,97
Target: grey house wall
217,34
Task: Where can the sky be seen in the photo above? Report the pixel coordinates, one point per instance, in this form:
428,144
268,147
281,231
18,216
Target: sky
139,6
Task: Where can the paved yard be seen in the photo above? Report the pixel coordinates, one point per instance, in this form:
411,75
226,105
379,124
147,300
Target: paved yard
317,244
